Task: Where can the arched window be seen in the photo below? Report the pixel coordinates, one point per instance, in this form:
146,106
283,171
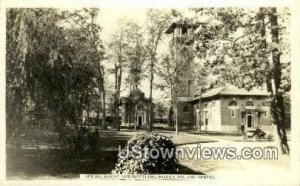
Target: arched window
213,104
185,108
249,104
205,105
232,103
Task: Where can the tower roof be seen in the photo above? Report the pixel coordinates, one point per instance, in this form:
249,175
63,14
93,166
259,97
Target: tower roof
179,23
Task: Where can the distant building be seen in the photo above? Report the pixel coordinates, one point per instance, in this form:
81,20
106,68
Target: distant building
135,109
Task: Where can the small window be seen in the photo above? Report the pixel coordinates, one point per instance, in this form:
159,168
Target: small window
232,113
184,31
266,114
232,103
205,105
185,108
249,104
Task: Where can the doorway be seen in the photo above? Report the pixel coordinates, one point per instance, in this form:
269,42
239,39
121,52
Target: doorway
140,120
249,121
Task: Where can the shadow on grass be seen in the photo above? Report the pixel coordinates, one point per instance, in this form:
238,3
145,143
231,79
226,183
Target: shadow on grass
59,163
56,163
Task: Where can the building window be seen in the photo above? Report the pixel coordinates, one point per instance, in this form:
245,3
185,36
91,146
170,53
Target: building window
185,108
232,113
205,105
232,103
266,113
249,104
184,30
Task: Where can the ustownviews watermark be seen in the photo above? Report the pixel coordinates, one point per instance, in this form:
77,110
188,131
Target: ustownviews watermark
199,152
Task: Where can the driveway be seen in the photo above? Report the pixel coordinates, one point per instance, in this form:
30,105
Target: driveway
274,171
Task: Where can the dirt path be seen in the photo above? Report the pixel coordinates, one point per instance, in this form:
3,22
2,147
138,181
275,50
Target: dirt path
257,171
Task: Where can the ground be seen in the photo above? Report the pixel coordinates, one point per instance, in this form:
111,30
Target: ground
44,162
241,170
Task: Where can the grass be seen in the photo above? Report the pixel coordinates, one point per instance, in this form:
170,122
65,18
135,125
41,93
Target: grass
34,163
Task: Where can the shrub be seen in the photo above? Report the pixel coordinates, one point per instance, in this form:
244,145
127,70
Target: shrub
132,162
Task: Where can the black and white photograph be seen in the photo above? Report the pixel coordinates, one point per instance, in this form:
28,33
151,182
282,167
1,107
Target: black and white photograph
194,93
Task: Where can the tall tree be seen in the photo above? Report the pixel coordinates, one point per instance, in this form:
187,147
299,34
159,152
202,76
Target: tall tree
56,74
157,23
124,46
236,46
85,20
274,82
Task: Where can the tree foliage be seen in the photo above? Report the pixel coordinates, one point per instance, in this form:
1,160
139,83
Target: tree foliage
157,23
248,48
51,76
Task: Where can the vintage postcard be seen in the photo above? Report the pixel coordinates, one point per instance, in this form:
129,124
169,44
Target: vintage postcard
144,92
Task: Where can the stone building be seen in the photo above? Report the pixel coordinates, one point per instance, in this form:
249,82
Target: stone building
134,109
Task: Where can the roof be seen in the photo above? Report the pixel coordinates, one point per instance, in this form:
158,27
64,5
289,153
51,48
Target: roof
233,90
179,24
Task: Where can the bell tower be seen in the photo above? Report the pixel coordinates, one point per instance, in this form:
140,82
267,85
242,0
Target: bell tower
182,54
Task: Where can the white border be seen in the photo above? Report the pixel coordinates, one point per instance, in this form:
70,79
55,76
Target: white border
295,41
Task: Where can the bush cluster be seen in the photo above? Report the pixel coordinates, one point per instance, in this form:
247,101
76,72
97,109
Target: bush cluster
129,164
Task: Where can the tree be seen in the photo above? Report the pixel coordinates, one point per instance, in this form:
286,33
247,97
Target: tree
165,72
136,56
126,50
274,82
55,83
160,110
85,21
157,23
235,43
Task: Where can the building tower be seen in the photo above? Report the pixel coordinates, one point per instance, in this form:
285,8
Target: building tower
181,52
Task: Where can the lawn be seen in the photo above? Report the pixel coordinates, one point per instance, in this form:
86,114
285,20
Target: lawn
47,162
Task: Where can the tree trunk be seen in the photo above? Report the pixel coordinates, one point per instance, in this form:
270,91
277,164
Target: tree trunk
88,106
277,104
151,89
199,113
100,74
118,96
176,120
153,54
103,110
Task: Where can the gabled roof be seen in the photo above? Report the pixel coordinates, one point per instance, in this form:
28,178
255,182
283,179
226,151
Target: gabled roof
233,90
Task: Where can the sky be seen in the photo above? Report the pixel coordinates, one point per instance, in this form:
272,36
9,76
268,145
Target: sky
108,19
